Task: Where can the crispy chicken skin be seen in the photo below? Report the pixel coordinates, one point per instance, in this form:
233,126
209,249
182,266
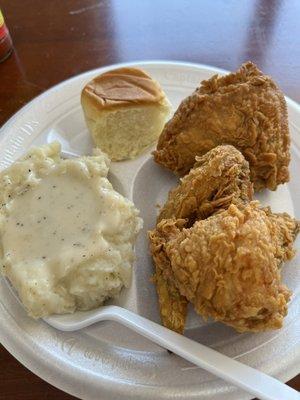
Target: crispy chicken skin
228,264
245,109
218,178
172,305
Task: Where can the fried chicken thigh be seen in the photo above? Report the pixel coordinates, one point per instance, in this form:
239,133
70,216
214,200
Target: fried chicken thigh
219,178
227,265
245,109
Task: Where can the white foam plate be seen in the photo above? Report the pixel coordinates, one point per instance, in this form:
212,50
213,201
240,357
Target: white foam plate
107,360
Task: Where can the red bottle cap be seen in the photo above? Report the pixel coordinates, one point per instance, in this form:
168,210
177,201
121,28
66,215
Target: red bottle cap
5,40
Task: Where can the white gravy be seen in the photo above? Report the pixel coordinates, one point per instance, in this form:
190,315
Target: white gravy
58,220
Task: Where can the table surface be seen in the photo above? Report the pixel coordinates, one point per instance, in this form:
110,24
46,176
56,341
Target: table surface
59,39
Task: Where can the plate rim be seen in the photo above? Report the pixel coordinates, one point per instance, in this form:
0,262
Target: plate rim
12,345
208,67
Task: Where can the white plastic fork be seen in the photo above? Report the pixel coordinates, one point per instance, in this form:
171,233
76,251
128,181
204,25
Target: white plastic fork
251,380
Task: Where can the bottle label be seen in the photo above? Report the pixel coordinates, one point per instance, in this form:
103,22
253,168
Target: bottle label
3,29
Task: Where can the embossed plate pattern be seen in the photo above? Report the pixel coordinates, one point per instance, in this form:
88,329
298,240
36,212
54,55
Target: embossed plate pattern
108,361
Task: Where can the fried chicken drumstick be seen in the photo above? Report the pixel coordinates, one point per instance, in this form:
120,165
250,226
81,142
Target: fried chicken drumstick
245,109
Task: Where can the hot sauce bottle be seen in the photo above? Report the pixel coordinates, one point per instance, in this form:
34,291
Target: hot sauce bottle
5,40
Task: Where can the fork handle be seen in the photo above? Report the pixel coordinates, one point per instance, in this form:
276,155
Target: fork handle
251,380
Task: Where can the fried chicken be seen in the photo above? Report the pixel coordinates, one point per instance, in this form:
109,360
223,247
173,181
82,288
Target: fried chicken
172,305
245,109
228,264
219,178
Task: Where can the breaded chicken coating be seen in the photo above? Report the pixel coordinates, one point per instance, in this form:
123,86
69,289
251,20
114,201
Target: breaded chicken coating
172,305
218,178
245,109
227,265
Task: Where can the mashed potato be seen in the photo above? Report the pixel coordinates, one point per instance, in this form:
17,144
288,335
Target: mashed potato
66,236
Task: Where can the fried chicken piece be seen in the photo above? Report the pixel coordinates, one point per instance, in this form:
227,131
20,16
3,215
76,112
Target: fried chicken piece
228,265
172,305
218,178
245,109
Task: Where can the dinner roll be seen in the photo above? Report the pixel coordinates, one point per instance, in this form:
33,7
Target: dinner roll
125,111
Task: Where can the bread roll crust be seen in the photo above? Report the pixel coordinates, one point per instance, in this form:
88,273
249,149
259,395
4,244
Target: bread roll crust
125,111
122,87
